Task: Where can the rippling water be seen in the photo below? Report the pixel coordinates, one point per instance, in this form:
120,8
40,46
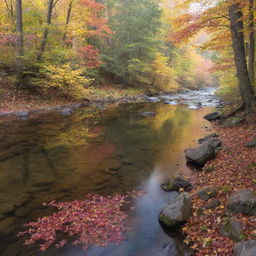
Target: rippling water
106,151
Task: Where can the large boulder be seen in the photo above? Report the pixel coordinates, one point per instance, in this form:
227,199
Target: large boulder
232,229
243,201
177,211
201,154
246,248
232,122
207,193
212,139
213,116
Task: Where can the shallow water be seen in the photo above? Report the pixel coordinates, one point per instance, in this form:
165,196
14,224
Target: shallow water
106,151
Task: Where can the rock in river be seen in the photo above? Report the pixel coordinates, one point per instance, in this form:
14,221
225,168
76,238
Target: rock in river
213,116
177,211
201,154
243,201
246,248
148,114
176,183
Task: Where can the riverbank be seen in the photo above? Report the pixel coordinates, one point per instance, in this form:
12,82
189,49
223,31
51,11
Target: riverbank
13,101
22,102
233,169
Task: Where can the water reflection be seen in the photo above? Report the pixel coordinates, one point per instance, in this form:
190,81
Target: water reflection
53,157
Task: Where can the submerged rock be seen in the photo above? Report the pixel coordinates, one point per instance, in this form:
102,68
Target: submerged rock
246,248
213,116
232,122
201,154
232,229
243,201
207,193
177,211
148,114
176,183
170,186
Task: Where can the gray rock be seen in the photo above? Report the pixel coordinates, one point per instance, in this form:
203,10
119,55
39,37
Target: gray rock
205,139
246,248
212,204
176,183
243,201
22,114
232,229
212,139
207,193
213,116
177,211
252,143
183,183
148,114
201,154
66,111
170,186
232,122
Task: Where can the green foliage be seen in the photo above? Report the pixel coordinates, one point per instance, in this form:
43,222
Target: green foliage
135,41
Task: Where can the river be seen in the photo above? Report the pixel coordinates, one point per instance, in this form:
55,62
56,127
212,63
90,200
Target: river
105,150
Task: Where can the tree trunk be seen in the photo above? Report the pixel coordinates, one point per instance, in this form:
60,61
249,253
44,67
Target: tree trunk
67,20
236,26
10,11
19,27
46,31
251,43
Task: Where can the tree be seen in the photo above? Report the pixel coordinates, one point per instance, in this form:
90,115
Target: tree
251,43
70,5
237,28
135,42
214,17
19,24
51,5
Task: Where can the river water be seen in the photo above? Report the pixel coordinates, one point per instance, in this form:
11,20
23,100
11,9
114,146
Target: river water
51,156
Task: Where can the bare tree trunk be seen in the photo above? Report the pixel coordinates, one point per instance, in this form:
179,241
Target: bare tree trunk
19,27
251,43
235,15
46,31
67,20
10,11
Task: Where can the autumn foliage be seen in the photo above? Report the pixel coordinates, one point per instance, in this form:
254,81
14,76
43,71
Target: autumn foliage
234,169
96,220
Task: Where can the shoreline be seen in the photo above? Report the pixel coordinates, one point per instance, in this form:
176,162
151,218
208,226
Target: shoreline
232,170
140,97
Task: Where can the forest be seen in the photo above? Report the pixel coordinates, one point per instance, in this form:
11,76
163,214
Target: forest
127,127
77,48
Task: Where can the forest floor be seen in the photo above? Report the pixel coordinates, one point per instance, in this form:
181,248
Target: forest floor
233,169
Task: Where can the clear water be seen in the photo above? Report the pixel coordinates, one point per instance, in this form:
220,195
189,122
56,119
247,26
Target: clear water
106,151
